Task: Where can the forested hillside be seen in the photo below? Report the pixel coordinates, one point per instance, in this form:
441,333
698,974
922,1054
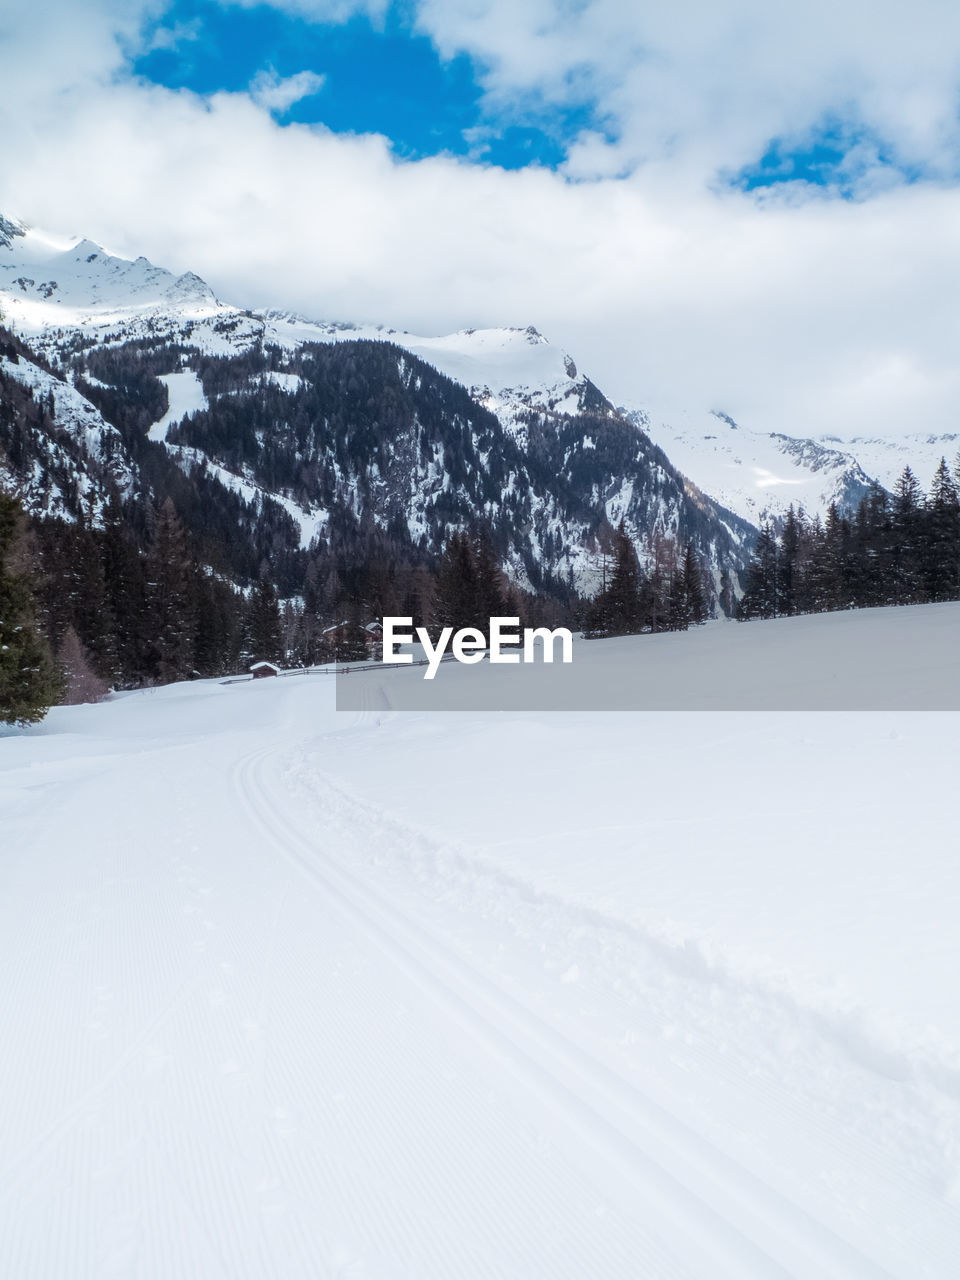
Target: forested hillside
314,486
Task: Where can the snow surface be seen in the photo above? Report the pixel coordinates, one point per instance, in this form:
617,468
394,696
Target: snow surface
186,396
48,281
884,456
295,993
859,660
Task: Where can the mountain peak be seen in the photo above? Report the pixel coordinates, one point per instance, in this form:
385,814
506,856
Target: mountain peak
190,287
85,246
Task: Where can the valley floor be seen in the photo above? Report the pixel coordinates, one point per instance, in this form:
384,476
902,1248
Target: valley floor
292,993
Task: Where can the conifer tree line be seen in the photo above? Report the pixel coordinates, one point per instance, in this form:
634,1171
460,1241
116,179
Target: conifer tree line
900,548
670,596
86,609
29,679
465,588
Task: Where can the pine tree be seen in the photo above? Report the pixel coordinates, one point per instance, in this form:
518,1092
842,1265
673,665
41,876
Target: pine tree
264,633
940,546
170,597
125,585
29,683
871,548
622,605
760,597
692,574
456,603
491,585
905,546
788,567
829,580
81,682
93,614
219,636
352,641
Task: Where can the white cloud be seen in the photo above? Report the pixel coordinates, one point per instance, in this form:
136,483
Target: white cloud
319,10
792,312
706,85
279,94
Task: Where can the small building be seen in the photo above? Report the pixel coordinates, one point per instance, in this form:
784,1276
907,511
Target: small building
260,670
351,641
374,641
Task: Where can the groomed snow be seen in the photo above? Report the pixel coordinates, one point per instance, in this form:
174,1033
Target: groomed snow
292,993
186,396
855,660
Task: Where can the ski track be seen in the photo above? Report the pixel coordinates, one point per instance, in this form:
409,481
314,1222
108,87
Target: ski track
895,1122
741,1226
416,1109
326,1044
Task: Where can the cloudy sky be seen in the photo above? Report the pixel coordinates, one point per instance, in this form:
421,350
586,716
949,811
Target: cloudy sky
722,204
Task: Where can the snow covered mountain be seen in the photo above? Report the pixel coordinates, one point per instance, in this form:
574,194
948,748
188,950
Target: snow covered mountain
757,474
50,283
760,474
242,401
59,292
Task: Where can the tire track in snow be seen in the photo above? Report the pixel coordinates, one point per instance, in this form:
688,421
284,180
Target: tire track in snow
721,1218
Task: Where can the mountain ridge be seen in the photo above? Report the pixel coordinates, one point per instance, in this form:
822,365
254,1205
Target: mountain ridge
92,294
79,304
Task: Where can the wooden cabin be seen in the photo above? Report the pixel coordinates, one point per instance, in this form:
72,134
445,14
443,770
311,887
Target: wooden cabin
262,670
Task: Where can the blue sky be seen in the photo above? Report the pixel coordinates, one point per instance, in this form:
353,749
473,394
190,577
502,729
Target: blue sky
378,78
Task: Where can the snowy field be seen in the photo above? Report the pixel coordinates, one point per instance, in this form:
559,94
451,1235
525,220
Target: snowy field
857,660
295,993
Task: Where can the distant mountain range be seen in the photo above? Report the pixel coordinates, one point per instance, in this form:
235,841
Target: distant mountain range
319,433
311,428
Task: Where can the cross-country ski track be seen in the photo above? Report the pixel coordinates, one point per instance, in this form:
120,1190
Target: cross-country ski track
721,1219
277,1008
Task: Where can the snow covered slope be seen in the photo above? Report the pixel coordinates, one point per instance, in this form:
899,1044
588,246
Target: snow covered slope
296,994
499,366
52,282
885,659
761,474
61,455
184,396
885,454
